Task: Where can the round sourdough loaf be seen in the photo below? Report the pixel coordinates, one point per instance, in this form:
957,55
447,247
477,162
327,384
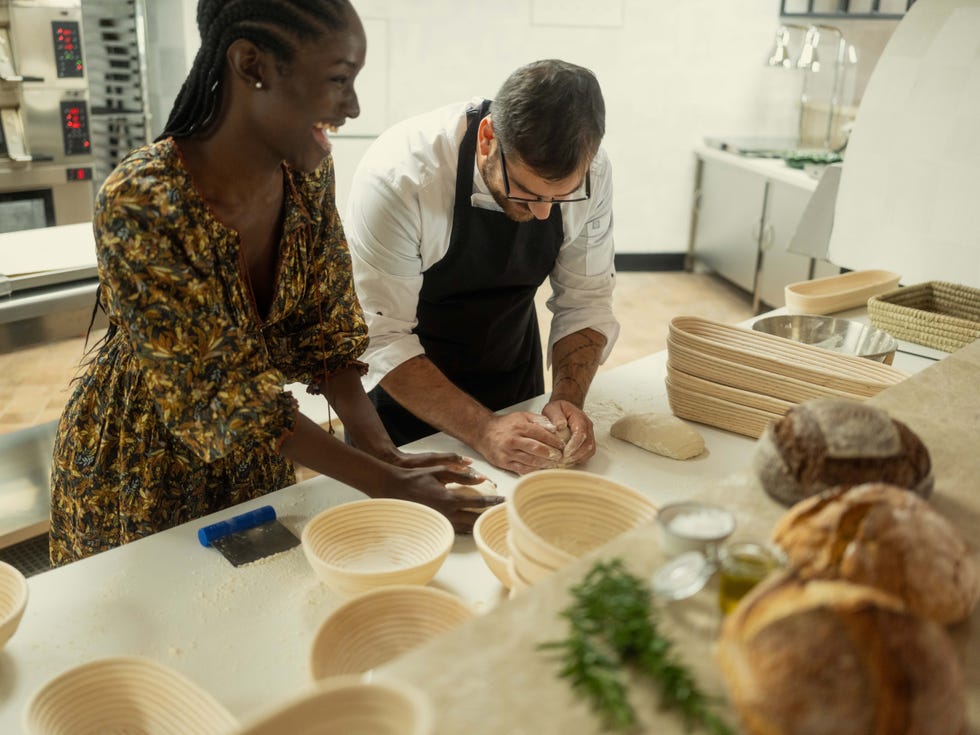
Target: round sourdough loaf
829,442
835,658
883,536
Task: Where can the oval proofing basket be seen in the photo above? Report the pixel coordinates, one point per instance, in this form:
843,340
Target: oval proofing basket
783,357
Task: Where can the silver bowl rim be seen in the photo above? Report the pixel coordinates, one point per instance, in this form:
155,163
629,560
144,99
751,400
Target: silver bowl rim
890,342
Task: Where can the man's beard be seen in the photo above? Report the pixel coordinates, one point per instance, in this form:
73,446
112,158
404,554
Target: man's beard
490,170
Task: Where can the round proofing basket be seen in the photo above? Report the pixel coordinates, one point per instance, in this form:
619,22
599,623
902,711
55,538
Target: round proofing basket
344,705
528,569
377,626
556,516
938,314
490,535
518,583
13,600
124,695
365,544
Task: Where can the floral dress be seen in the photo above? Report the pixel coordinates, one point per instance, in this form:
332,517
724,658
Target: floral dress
182,410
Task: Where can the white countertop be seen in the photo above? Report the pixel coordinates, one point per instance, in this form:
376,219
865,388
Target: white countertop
772,168
63,247
243,634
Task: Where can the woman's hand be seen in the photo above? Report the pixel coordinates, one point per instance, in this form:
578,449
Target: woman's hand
430,459
427,485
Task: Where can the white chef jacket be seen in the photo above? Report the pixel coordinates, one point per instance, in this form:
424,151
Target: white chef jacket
399,221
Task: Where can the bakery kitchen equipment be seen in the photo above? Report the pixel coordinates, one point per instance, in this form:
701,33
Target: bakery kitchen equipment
249,536
742,380
45,142
837,335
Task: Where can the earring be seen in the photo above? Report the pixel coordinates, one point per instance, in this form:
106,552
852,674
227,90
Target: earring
258,85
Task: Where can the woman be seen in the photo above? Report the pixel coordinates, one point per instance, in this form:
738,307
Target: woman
225,274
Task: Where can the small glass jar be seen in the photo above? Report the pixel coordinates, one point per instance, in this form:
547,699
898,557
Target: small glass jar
741,567
690,526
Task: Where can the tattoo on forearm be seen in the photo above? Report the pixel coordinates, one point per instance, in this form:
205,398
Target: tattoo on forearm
575,368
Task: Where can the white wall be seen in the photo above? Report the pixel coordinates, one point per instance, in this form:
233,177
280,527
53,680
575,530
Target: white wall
672,71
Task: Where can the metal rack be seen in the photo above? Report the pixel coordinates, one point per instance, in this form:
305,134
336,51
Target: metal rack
115,44
845,9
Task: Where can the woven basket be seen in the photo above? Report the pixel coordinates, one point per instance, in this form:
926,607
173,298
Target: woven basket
937,314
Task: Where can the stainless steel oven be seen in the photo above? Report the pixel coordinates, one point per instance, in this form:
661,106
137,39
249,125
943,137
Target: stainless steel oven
45,141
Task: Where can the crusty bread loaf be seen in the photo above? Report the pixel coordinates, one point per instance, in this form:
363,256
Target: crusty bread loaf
886,537
830,442
835,658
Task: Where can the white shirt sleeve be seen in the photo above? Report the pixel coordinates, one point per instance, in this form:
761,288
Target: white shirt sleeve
584,276
398,224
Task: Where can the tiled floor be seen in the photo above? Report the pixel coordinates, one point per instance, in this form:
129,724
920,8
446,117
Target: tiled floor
34,382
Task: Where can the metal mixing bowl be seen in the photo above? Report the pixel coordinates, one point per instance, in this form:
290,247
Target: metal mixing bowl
840,335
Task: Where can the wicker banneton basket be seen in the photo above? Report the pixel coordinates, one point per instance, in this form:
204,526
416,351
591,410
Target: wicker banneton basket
937,314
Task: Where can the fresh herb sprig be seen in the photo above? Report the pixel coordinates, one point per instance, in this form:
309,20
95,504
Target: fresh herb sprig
613,624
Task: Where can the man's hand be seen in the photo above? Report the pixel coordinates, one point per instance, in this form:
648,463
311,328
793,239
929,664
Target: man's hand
520,442
581,441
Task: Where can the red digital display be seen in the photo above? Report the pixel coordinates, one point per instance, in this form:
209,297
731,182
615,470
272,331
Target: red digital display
67,49
73,118
79,174
74,127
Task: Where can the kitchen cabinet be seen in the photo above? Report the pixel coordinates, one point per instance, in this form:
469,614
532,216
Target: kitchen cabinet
745,213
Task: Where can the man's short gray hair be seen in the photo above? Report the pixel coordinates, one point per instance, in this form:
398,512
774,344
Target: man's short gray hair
550,114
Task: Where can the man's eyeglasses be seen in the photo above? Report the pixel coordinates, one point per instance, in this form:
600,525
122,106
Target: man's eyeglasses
542,200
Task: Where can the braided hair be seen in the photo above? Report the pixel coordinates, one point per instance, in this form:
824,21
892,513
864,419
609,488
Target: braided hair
272,25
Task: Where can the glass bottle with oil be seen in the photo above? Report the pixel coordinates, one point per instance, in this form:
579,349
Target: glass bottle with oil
741,567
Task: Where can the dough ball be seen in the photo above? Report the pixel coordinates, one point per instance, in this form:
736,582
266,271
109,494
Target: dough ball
660,433
487,487
564,433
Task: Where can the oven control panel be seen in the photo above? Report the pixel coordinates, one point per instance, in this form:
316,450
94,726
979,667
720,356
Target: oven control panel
67,48
74,127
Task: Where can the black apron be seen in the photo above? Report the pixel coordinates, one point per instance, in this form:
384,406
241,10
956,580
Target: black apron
476,315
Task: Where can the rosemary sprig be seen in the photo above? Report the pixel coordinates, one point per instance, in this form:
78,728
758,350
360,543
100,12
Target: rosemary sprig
613,624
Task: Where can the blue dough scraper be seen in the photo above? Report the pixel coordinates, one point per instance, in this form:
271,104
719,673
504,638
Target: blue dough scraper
248,537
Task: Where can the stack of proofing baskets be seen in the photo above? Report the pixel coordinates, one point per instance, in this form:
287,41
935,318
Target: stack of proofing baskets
740,380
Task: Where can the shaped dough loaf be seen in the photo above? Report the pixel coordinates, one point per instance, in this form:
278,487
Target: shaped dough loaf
660,433
487,487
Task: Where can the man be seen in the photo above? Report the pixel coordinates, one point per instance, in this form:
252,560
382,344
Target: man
456,218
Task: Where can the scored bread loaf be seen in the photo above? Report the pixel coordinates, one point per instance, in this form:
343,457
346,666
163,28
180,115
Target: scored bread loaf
835,658
886,537
829,442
